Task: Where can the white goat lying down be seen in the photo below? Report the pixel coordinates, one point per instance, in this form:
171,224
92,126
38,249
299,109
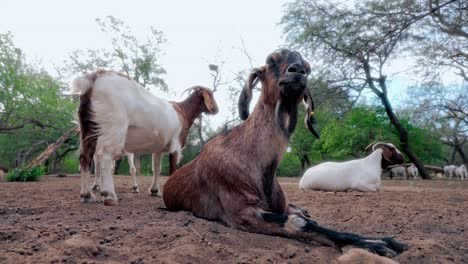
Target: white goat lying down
361,174
116,114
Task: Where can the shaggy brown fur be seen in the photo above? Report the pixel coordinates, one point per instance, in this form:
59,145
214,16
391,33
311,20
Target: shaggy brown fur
233,178
201,100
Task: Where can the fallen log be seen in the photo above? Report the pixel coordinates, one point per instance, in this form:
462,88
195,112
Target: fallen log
51,148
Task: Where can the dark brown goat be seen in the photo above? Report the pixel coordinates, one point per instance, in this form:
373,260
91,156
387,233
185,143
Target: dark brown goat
233,178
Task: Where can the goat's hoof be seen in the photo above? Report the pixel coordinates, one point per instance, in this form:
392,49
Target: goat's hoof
111,202
88,197
95,188
155,193
135,189
386,246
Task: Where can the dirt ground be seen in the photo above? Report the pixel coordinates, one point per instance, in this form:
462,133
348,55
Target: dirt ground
44,222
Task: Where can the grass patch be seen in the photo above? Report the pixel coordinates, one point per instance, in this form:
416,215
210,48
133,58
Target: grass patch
24,175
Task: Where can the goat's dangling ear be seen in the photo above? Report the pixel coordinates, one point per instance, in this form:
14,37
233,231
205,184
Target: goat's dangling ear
309,117
246,94
209,101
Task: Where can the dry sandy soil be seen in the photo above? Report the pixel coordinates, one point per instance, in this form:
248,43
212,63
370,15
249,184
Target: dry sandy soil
44,222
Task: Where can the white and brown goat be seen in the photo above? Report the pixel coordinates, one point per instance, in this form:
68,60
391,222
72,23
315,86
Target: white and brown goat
116,114
233,180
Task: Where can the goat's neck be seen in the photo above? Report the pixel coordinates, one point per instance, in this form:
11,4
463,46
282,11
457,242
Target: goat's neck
263,134
188,110
375,159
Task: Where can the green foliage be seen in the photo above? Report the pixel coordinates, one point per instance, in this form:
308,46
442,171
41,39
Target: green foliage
138,59
290,166
33,113
24,175
346,138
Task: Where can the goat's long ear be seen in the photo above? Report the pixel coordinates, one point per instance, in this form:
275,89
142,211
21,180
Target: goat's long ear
210,102
246,94
309,117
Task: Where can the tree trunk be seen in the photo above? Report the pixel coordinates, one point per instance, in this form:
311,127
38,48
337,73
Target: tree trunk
200,131
462,154
117,166
51,148
302,164
403,135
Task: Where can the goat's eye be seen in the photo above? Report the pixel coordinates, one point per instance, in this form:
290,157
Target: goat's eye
270,60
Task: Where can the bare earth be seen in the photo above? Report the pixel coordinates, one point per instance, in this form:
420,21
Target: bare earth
44,222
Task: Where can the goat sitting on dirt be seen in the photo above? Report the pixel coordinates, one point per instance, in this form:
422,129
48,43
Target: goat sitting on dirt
233,178
360,174
117,114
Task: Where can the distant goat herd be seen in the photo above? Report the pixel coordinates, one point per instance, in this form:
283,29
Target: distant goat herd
232,179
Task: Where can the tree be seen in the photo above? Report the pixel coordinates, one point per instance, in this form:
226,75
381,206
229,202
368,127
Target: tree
33,113
360,41
138,59
444,110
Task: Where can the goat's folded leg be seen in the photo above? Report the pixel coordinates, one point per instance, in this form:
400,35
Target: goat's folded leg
293,209
385,246
296,225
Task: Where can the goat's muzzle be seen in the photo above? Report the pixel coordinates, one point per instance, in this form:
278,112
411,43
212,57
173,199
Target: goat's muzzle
292,84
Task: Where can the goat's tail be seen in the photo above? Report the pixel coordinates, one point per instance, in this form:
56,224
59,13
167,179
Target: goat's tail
80,85
89,130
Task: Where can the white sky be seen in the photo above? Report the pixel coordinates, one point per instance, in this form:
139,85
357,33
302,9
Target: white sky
198,33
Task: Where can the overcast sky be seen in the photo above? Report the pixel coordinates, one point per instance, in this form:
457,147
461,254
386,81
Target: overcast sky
197,32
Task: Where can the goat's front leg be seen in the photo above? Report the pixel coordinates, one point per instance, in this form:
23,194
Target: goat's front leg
297,225
97,174
154,190
86,193
107,179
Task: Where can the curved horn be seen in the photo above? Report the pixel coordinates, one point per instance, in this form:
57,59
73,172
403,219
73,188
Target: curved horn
376,145
309,117
246,94
189,90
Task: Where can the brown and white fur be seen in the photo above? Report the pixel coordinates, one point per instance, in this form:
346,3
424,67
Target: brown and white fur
233,180
116,114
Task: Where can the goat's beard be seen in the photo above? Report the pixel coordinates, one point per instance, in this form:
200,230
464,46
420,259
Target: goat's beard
286,115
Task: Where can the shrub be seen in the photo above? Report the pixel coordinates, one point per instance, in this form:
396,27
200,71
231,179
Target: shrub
26,174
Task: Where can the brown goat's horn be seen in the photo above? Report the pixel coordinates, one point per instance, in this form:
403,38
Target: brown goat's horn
189,90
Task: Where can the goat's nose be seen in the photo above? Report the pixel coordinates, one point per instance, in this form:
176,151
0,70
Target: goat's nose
296,68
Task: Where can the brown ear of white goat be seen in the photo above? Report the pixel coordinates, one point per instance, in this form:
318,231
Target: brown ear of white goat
233,178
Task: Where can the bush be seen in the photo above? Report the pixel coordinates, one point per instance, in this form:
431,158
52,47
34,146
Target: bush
26,174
